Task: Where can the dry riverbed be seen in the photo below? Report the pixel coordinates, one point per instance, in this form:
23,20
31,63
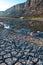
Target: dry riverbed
16,49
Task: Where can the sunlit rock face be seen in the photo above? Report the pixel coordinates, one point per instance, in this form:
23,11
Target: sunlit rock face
30,7
33,3
34,7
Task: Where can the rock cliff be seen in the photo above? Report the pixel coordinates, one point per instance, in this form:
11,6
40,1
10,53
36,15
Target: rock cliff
28,8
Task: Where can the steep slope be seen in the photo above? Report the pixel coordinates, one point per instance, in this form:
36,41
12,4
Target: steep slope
30,7
34,7
1,13
17,10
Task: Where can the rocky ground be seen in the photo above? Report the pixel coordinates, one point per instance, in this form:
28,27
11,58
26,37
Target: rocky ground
15,50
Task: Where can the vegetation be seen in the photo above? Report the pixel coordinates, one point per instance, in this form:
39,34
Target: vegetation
34,25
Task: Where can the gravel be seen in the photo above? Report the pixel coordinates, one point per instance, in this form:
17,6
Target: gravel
16,51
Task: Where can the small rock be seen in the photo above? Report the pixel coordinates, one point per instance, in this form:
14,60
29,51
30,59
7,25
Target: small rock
7,55
8,61
18,63
2,64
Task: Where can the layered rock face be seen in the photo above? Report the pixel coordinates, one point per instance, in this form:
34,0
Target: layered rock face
33,3
34,7
30,7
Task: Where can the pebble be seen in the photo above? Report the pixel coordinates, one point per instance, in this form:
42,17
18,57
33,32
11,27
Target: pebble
16,51
18,63
8,61
2,64
7,55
